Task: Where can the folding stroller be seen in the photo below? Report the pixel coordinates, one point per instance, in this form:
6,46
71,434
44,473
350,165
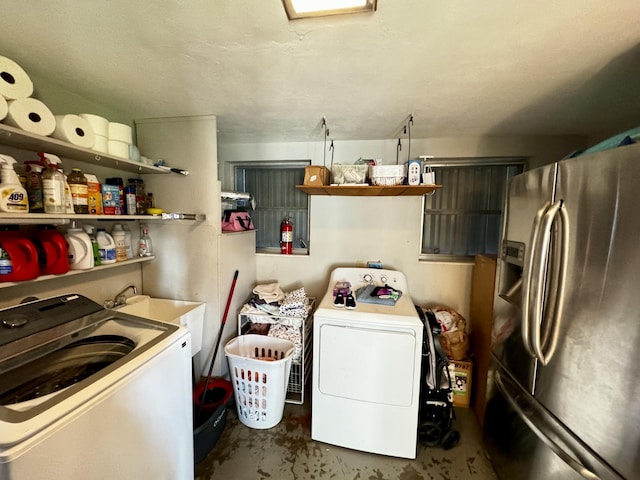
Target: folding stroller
436,413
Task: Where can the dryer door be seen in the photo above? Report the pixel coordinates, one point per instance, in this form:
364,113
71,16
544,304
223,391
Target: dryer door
369,365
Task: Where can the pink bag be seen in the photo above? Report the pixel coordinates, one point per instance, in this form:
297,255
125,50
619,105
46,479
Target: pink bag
235,221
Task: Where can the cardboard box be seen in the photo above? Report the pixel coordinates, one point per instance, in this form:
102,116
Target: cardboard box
316,176
111,199
481,318
94,194
461,380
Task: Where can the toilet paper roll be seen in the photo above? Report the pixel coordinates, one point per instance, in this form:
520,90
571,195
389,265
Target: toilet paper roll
101,144
30,115
120,132
14,82
74,129
99,124
4,108
118,148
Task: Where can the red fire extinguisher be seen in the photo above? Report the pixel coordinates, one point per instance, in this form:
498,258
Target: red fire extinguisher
286,237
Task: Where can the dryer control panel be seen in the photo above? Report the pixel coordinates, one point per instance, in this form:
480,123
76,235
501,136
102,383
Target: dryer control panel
360,276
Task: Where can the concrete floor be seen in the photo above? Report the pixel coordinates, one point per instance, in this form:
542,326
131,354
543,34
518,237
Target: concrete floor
286,452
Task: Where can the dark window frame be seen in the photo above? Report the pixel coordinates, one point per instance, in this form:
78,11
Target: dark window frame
273,202
471,202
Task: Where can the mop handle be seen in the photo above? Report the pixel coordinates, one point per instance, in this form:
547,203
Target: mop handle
224,320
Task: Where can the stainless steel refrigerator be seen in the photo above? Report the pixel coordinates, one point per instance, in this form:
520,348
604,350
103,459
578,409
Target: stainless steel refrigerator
564,387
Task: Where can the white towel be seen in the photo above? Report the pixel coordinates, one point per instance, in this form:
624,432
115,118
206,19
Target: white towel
269,292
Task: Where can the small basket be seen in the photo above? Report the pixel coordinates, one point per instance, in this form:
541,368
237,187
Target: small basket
387,175
259,367
342,174
387,181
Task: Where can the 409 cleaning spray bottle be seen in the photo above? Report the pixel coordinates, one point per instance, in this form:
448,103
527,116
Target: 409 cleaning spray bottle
13,197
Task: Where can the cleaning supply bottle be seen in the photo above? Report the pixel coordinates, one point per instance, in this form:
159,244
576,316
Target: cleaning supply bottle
68,198
52,184
34,186
89,229
106,246
80,249
128,242
18,256
52,250
13,196
119,238
79,191
145,247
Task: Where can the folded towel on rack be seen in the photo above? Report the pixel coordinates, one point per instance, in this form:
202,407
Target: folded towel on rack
295,304
269,292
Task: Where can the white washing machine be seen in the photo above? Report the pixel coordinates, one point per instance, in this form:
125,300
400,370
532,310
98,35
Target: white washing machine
366,368
88,393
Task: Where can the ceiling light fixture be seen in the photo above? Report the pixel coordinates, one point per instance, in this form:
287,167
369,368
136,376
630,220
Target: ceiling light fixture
319,8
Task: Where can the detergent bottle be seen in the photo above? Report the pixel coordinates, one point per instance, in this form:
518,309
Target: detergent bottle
119,237
18,256
52,250
80,248
106,246
13,196
53,185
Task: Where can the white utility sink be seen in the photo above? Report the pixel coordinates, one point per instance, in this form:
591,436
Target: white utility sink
179,312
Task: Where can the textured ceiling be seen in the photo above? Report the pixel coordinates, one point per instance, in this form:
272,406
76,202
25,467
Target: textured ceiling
461,67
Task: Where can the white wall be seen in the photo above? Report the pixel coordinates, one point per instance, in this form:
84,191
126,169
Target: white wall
349,231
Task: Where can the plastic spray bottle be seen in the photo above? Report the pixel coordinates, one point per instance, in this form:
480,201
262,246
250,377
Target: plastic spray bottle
68,198
34,186
53,184
13,196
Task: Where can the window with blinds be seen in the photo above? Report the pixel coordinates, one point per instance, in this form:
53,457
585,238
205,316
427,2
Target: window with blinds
464,218
273,185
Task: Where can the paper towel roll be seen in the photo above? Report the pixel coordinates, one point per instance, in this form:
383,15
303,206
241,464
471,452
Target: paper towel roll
120,132
4,108
134,153
99,124
74,129
101,144
14,82
118,148
30,115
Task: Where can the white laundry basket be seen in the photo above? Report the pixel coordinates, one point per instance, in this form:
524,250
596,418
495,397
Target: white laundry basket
259,367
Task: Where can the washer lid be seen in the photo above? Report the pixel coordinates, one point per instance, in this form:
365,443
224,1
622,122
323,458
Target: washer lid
28,319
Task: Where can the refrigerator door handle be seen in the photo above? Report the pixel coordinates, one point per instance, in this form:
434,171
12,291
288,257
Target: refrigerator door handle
551,438
554,212
527,274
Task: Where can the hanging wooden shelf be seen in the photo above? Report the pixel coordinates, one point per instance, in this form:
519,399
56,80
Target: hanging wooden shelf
369,190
